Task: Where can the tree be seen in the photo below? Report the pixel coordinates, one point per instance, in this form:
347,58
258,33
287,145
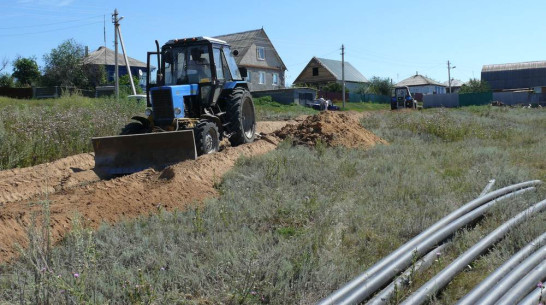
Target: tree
334,87
95,74
380,86
124,82
63,65
475,86
26,71
6,81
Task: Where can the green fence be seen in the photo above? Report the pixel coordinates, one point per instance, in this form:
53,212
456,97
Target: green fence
374,98
475,99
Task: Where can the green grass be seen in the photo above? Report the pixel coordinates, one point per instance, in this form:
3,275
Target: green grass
295,224
269,110
363,106
38,131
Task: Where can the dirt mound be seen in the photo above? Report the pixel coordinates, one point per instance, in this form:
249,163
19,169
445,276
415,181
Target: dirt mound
72,189
332,129
24,183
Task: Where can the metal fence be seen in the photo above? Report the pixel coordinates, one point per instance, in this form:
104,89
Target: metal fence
450,100
373,98
476,99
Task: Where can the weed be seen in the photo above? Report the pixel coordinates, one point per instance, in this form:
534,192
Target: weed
293,225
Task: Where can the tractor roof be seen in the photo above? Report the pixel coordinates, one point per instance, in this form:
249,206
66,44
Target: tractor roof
191,40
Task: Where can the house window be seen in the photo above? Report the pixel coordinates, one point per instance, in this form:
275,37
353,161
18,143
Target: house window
315,71
275,78
262,77
248,77
260,53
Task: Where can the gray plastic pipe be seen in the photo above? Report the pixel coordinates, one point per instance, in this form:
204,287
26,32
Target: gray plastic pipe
524,286
412,244
381,278
386,294
487,188
490,283
508,281
533,297
445,276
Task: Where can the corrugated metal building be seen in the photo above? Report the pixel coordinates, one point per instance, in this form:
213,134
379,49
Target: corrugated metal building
513,76
321,71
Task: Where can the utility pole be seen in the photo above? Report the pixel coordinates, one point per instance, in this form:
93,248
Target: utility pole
343,72
449,67
115,20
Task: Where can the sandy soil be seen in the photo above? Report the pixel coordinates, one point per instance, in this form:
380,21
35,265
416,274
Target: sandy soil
73,189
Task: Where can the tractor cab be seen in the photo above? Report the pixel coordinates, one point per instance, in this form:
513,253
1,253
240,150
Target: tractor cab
193,74
401,98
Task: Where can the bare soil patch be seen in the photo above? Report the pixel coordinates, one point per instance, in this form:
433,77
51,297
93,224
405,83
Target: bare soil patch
332,129
73,190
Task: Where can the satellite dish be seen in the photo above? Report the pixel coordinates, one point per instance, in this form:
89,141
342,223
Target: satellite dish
140,72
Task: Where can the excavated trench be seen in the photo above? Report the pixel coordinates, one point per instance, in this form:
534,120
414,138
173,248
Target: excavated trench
74,190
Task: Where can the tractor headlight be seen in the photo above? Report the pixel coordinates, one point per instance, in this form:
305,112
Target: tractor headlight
177,111
148,112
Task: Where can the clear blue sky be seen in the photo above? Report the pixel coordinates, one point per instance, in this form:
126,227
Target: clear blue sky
382,38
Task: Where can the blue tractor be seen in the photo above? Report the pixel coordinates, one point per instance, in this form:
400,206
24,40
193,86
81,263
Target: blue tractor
197,98
401,98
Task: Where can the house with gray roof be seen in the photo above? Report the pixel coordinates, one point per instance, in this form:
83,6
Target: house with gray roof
456,85
106,57
320,72
422,84
256,53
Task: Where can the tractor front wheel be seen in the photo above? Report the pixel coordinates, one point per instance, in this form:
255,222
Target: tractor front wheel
133,128
206,138
241,117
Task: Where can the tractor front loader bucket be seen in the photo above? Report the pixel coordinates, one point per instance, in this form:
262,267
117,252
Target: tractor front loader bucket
128,154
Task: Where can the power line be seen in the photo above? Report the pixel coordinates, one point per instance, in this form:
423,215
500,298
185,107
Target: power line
48,31
47,24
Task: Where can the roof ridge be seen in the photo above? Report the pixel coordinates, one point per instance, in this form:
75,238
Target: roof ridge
243,32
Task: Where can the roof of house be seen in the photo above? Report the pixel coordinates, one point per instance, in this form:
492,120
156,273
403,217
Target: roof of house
243,41
105,56
454,83
514,66
334,66
418,80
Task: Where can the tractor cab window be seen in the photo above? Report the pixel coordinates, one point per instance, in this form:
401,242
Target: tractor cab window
235,74
222,68
187,65
218,64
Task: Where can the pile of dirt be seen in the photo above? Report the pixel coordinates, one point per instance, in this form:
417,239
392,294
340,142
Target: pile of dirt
74,190
331,128
24,183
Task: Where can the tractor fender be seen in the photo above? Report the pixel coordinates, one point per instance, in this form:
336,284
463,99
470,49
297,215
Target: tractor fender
212,118
144,121
234,84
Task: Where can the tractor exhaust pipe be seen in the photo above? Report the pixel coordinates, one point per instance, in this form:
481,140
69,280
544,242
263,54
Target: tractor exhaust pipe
159,74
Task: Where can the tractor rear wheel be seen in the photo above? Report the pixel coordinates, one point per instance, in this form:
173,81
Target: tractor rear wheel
133,128
206,138
241,117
